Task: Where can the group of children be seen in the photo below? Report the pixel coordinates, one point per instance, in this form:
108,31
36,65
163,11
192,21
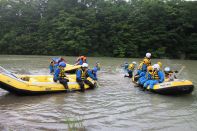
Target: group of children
147,74
57,68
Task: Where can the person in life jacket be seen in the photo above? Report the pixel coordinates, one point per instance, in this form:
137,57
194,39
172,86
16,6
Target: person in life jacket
142,68
60,75
95,69
52,67
80,60
58,60
85,60
158,76
54,64
94,72
130,69
98,66
125,65
169,74
150,71
144,64
148,57
147,76
82,75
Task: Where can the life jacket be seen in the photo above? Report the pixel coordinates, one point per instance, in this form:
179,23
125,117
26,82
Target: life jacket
149,61
131,67
62,73
83,74
155,75
149,75
140,66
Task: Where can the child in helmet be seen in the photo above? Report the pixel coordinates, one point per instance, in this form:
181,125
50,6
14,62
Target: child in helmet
148,57
169,74
54,64
130,69
94,72
82,75
60,75
125,66
98,66
145,85
158,76
142,69
147,76
80,60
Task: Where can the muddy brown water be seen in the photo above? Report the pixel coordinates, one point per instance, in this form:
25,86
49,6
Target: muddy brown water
115,105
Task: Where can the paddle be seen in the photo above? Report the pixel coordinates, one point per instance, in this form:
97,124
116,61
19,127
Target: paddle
180,71
2,70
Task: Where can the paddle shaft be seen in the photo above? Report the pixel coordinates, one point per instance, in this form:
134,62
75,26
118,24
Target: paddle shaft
180,71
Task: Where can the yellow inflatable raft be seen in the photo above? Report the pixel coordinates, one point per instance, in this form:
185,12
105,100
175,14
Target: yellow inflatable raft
175,87
71,68
37,84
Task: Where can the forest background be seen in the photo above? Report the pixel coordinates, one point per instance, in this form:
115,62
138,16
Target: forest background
115,28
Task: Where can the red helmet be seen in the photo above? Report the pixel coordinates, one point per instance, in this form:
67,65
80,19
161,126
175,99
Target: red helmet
82,57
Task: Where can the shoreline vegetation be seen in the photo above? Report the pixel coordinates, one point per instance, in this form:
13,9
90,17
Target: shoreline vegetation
75,56
112,28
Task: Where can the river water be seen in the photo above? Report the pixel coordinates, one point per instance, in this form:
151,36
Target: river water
115,105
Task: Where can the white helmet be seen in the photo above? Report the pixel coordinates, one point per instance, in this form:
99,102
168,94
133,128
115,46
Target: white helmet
84,65
156,66
134,62
167,69
148,55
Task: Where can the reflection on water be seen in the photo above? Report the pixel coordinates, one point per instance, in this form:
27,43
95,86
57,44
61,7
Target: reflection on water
115,105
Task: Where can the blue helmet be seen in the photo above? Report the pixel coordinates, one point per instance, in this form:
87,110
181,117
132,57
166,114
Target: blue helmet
55,59
62,64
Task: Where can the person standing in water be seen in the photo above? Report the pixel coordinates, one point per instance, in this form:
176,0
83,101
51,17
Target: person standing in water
80,60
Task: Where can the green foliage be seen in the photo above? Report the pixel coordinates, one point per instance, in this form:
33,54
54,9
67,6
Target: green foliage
166,28
74,124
